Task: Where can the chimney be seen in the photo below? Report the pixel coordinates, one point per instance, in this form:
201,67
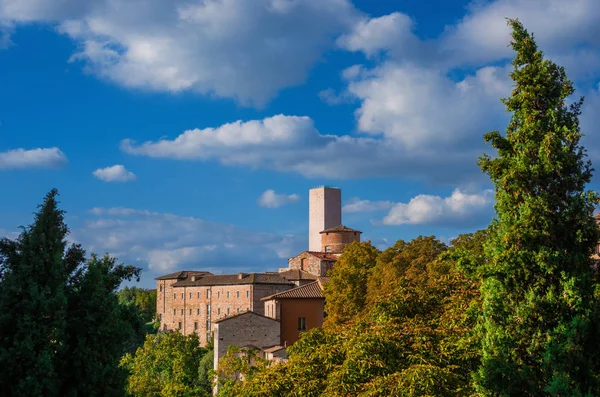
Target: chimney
240,276
193,278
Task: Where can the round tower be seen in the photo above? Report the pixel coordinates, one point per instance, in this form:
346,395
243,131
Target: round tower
334,239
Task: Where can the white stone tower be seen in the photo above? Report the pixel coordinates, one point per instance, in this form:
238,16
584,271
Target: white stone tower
324,211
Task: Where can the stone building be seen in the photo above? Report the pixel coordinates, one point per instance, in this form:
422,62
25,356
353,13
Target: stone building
324,211
192,301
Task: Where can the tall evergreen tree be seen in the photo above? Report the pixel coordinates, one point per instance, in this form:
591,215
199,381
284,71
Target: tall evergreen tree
33,303
539,312
62,330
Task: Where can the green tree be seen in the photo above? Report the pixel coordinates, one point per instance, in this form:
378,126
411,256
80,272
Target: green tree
62,330
99,330
166,365
143,299
346,290
539,311
33,303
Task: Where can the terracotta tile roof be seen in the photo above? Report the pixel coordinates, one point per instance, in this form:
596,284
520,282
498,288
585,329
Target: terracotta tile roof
234,279
242,314
297,274
340,228
308,291
182,275
326,256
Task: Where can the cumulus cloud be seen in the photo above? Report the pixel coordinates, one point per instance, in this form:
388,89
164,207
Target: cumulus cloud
116,173
559,26
293,144
270,199
458,209
240,49
33,158
165,242
357,205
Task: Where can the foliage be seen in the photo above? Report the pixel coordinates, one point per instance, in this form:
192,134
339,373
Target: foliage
539,327
416,340
61,328
346,290
140,298
166,365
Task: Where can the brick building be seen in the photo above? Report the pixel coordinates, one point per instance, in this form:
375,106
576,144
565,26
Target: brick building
192,301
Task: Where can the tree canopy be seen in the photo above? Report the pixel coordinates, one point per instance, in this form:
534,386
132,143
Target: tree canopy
540,316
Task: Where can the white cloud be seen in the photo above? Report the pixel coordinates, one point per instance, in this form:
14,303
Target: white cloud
330,97
270,199
115,173
166,242
459,209
483,36
293,144
420,107
34,158
240,49
357,205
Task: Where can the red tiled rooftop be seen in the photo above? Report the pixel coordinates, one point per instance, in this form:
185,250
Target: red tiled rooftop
309,291
340,228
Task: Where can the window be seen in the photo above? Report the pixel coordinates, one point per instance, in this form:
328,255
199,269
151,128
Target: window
208,311
182,312
228,311
208,293
219,311
218,294
160,317
208,324
238,309
301,323
174,312
195,325
198,294
227,294
190,295
175,296
160,288
327,249
247,294
198,311
238,294
190,312
182,295
303,264
180,325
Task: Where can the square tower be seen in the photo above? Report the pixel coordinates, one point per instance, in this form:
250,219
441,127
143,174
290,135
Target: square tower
324,212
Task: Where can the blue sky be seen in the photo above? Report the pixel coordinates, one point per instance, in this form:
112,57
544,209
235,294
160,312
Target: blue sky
185,134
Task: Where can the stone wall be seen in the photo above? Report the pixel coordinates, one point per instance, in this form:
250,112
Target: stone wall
335,242
307,262
243,330
324,211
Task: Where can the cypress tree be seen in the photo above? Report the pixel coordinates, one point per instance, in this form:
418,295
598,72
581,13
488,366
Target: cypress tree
33,303
539,312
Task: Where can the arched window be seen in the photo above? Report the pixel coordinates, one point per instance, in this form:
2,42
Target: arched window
304,263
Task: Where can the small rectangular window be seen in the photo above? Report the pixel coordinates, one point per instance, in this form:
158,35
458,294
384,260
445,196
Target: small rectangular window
196,326
238,309
218,294
180,325
208,310
219,311
301,323
182,312
190,312
208,293
182,295
175,296
198,311
228,311
198,294
190,295
174,312
238,294
247,294
160,288
160,317
227,294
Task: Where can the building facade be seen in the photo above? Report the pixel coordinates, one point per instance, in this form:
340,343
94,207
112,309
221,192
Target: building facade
324,211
